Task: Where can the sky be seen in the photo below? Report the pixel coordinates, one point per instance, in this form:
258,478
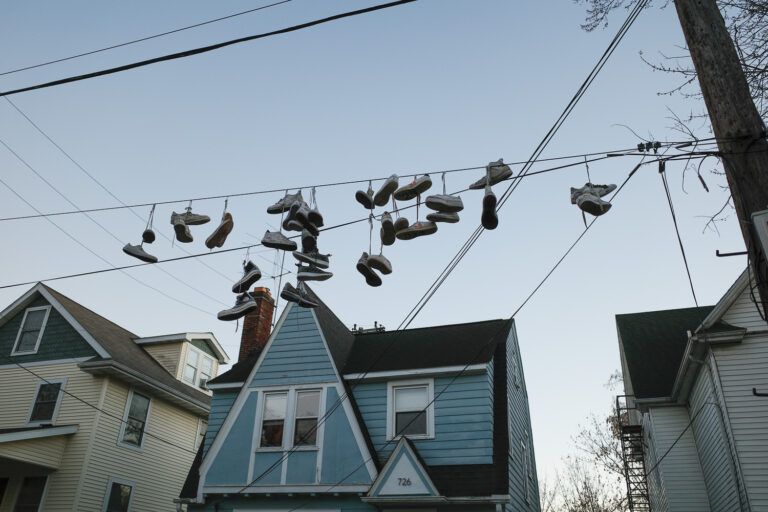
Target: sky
425,87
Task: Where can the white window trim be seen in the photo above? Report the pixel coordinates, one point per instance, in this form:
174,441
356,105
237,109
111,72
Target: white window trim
51,421
120,441
15,352
289,424
391,385
199,441
200,356
121,481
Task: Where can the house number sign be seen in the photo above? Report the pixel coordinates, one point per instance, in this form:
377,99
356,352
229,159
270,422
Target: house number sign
404,482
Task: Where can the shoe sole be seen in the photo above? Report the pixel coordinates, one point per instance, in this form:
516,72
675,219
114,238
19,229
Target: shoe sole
410,234
480,184
364,199
280,245
382,196
148,236
305,258
444,205
245,283
315,218
440,217
313,276
147,258
371,277
181,233
219,236
236,312
381,268
387,233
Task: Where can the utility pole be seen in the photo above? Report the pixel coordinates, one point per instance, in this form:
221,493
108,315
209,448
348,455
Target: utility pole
736,123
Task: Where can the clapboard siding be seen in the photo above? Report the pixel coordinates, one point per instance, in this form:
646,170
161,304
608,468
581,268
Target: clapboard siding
221,403
740,368
680,469
744,312
156,469
714,453
656,493
167,354
463,420
296,355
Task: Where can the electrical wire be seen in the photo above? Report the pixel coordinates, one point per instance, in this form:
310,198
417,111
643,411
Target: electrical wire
204,49
120,45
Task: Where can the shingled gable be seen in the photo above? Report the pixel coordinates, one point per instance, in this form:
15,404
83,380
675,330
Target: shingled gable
124,356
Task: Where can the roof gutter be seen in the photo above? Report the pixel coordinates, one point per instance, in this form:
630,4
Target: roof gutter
112,367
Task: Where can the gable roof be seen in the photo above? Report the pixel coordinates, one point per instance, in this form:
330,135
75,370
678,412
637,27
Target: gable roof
654,343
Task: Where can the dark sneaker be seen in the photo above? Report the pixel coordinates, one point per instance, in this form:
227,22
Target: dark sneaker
290,293
489,219
182,230
592,204
589,188
444,203
316,218
291,224
251,274
285,203
277,240
380,263
137,251
417,229
312,258
220,234
308,241
304,300
148,236
312,273
388,229
449,217
189,218
413,189
382,196
497,171
365,198
295,207
302,213
371,277
400,224
244,304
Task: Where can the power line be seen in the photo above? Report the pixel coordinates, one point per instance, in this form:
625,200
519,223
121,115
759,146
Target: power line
120,45
204,49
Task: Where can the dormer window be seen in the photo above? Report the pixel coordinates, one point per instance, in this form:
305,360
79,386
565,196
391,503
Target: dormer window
410,410
31,331
198,367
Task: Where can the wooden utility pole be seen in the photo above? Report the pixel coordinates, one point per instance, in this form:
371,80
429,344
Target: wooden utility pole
735,120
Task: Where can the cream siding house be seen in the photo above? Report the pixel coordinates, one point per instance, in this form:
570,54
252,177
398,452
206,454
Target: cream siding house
694,377
93,417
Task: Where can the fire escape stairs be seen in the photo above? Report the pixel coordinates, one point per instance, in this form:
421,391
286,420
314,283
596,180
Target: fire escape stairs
633,453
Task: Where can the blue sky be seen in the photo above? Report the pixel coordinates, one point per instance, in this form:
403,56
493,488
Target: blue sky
428,86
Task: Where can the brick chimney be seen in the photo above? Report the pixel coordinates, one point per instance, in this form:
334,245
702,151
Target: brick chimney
257,324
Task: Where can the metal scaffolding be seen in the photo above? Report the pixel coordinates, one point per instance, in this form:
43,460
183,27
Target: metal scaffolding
633,453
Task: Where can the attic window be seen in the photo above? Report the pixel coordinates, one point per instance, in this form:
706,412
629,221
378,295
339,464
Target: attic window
410,409
31,330
198,368
274,419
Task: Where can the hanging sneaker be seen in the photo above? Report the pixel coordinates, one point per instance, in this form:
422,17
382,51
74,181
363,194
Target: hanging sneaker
291,223
251,274
444,203
382,196
181,229
365,198
220,234
589,188
489,219
284,204
450,217
313,258
380,263
244,304
277,240
305,300
592,204
189,218
137,251
315,217
308,241
290,293
413,189
387,231
417,229
400,224
148,236
371,277
497,171
312,273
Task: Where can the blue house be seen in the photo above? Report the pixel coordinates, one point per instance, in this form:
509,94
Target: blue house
322,418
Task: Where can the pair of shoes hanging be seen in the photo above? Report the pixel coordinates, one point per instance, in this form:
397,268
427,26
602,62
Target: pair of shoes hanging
446,206
299,295
495,172
314,262
182,221
587,198
369,263
301,217
220,234
244,303
147,237
369,200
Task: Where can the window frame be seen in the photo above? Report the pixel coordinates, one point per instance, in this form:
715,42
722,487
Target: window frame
51,421
391,415
289,424
43,496
200,356
198,440
14,350
296,417
120,481
120,440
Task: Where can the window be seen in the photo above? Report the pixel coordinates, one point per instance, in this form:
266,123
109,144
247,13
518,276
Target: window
47,400
410,410
31,330
119,494
273,424
307,406
31,494
135,420
202,427
198,368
